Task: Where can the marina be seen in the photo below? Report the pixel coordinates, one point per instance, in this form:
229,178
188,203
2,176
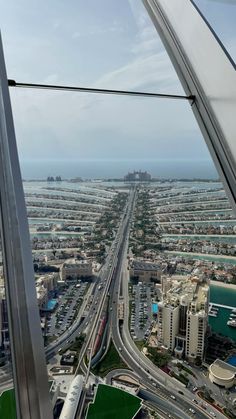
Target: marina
213,310
232,318
231,323
225,300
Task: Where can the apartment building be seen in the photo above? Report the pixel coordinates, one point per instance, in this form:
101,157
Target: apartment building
49,281
183,317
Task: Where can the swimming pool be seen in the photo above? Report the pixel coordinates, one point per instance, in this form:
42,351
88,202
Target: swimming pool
51,305
155,308
232,360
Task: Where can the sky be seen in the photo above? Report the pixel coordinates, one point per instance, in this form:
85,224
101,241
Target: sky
105,44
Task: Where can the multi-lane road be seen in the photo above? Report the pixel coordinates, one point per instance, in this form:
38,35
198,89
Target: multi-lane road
156,385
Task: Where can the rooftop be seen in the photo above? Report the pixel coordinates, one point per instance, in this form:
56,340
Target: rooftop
222,370
145,266
187,290
76,262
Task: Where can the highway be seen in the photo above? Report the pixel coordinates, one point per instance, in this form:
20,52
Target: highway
82,324
152,380
110,279
151,377
101,290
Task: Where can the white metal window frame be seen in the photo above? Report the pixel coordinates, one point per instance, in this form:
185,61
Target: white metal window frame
28,360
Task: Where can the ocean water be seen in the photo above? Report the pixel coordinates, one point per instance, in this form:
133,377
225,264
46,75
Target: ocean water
221,295
92,169
227,297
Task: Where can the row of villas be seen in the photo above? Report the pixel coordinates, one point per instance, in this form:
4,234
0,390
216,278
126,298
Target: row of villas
194,228
183,207
198,246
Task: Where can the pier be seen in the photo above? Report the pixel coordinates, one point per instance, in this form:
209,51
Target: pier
221,305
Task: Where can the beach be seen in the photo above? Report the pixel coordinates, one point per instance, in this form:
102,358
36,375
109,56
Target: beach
200,254
223,285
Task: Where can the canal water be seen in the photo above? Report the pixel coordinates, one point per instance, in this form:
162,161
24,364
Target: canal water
223,296
211,238
212,258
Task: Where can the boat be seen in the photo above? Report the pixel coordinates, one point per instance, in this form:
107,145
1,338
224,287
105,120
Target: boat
231,323
212,314
234,310
233,315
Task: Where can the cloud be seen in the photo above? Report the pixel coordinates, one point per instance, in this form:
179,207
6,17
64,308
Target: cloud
51,79
76,35
96,30
52,125
152,71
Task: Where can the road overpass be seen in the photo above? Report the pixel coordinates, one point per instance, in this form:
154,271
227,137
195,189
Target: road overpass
151,378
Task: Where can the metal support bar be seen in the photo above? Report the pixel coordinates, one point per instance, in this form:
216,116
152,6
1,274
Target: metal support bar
13,83
28,361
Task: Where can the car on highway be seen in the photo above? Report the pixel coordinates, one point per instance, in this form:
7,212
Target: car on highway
173,397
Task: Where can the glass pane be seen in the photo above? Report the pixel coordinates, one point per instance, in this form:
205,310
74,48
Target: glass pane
104,47
221,15
182,226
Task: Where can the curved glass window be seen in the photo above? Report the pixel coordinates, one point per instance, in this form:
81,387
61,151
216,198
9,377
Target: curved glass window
131,232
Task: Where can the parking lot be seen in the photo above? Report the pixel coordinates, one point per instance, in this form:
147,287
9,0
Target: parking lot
141,318
66,312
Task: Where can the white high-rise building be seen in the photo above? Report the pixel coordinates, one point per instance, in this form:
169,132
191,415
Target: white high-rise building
183,317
